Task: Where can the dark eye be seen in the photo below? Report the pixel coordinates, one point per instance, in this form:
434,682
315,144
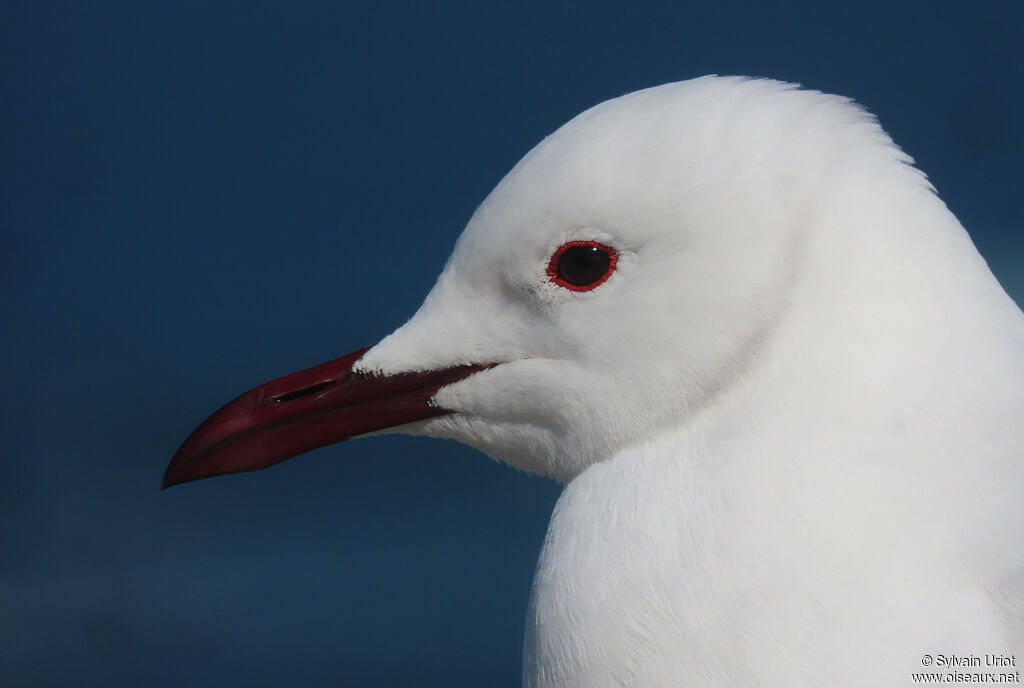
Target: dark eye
581,265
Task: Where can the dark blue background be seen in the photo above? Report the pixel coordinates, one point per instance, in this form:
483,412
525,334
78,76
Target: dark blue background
199,196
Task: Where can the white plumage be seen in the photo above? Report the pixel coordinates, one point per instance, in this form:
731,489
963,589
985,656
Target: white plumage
790,425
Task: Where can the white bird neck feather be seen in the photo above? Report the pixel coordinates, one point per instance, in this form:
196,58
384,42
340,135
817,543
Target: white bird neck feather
825,497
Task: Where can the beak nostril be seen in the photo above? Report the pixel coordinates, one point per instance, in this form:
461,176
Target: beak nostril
305,392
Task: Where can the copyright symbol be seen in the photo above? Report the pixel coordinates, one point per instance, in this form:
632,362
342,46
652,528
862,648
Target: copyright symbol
926,660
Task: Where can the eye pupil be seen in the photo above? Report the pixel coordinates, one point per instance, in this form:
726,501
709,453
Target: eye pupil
581,265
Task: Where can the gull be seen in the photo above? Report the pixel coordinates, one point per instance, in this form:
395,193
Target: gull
783,391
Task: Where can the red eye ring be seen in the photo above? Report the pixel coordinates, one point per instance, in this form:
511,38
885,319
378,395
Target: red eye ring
582,265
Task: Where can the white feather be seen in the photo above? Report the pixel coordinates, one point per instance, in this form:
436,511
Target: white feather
790,424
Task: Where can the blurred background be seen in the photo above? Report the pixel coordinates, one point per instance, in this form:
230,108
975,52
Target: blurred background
199,196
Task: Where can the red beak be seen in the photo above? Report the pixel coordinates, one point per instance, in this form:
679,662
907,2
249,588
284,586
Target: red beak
303,411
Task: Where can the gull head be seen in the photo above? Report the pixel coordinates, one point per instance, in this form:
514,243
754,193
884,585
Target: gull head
627,273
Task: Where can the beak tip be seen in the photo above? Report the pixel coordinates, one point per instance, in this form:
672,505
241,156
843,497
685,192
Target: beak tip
169,479
178,472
